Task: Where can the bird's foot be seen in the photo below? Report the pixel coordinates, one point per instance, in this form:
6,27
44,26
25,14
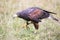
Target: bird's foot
35,31
26,28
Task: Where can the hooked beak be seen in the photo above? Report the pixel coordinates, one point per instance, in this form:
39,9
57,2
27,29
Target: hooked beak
14,16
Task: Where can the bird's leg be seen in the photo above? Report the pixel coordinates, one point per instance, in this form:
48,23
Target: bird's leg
27,25
36,27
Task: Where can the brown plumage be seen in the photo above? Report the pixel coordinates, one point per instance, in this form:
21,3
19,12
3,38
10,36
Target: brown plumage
35,15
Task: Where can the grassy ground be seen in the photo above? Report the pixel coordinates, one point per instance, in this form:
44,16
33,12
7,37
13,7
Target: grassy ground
11,29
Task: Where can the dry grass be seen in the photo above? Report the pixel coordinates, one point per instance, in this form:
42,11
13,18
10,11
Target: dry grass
11,29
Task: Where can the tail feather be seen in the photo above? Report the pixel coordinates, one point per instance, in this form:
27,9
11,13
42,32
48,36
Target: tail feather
57,20
54,18
49,12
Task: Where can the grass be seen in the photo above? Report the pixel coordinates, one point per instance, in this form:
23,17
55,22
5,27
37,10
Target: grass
11,29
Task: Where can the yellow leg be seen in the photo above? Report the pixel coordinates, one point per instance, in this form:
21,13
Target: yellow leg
26,25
